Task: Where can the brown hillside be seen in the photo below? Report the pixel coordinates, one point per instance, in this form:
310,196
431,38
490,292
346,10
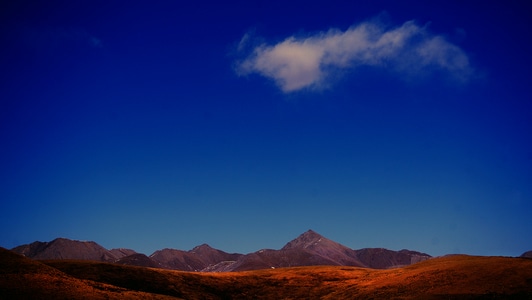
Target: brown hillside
453,277
23,278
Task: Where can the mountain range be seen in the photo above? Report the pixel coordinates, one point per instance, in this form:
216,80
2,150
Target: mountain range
308,249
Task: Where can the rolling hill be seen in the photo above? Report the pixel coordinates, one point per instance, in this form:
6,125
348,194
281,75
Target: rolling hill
24,278
449,277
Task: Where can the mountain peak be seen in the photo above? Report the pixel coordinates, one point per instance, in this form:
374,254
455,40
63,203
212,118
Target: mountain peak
63,248
202,247
312,233
305,240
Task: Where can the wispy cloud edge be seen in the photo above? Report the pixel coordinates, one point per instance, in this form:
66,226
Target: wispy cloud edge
310,62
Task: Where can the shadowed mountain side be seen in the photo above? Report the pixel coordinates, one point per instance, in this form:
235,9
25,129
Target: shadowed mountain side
527,254
122,252
138,259
177,260
451,277
23,278
62,248
196,259
211,256
380,258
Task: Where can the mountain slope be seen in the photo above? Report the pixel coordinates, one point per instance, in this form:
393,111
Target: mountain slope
62,248
138,259
323,247
527,254
24,278
308,249
380,258
122,252
197,259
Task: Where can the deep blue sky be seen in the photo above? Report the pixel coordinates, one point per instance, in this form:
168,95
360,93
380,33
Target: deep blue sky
134,125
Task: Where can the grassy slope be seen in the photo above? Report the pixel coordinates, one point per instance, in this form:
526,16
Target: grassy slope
23,278
454,277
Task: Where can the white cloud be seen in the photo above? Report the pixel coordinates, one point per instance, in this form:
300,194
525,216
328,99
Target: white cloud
311,62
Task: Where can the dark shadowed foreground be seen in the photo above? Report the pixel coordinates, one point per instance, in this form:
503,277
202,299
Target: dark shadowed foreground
451,277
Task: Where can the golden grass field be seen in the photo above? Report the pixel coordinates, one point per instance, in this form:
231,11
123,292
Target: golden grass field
450,277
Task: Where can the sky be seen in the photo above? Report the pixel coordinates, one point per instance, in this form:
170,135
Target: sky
242,124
